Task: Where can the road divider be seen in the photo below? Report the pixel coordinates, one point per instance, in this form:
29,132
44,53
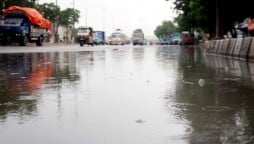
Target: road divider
242,48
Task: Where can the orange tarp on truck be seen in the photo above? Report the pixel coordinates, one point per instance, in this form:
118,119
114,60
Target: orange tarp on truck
33,15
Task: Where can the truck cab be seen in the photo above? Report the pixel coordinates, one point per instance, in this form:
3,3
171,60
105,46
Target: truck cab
14,29
138,37
85,35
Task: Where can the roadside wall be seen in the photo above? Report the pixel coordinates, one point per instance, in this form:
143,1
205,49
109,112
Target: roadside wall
242,48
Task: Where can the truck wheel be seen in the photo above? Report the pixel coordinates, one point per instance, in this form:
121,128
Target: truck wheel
23,41
39,41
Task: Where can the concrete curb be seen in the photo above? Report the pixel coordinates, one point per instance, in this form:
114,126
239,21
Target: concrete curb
242,48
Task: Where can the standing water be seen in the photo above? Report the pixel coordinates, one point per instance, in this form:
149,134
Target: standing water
128,95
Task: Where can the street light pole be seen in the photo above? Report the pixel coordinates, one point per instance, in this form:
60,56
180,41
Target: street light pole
86,12
217,15
103,19
55,29
73,13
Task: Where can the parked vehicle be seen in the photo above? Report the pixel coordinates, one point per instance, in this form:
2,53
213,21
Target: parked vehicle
99,37
164,40
23,25
187,38
243,27
138,37
175,38
117,38
85,35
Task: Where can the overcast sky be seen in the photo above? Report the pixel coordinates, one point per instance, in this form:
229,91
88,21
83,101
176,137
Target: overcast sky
127,15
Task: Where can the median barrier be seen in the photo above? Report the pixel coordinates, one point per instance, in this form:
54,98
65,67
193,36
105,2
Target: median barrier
245,48
211,46
206,46
251,50
251,71
242,48
216,46
220,48
237,48
225,46
231,46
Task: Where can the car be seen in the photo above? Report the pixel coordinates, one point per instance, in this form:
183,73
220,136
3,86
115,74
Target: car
164,39
187,38
117,38
175,40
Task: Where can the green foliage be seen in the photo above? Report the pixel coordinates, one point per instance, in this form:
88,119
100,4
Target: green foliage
69,16
166,28
203,15
50,11
193,16
65,17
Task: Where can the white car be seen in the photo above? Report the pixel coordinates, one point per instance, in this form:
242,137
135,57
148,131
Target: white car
117,38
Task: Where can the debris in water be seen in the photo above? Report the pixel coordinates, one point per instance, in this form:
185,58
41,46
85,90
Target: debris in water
201,82
140,121
186,82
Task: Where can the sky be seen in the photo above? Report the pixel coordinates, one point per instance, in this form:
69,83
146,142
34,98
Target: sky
127,15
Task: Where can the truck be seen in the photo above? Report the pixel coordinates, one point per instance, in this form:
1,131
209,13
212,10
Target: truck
138,37
23,25
99,37
85,35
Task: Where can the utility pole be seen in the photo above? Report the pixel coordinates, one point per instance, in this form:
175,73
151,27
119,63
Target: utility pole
217,25
73,13
55,30
86,12
73,27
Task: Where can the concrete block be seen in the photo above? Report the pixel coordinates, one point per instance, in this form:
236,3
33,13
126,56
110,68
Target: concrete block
220,48
206,46
251,50
216,46
231,47
237,48
245,47
225,46
211,46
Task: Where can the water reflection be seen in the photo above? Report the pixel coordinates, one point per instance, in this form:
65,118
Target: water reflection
23,76
222,110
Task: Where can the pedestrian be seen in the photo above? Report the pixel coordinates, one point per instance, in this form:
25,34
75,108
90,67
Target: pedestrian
233,32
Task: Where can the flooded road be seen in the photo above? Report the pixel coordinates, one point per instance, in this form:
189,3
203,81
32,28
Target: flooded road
126,95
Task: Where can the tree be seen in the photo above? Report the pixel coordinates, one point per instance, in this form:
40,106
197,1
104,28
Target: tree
213,16
192,14
51,12
166,28
66,18
69,16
